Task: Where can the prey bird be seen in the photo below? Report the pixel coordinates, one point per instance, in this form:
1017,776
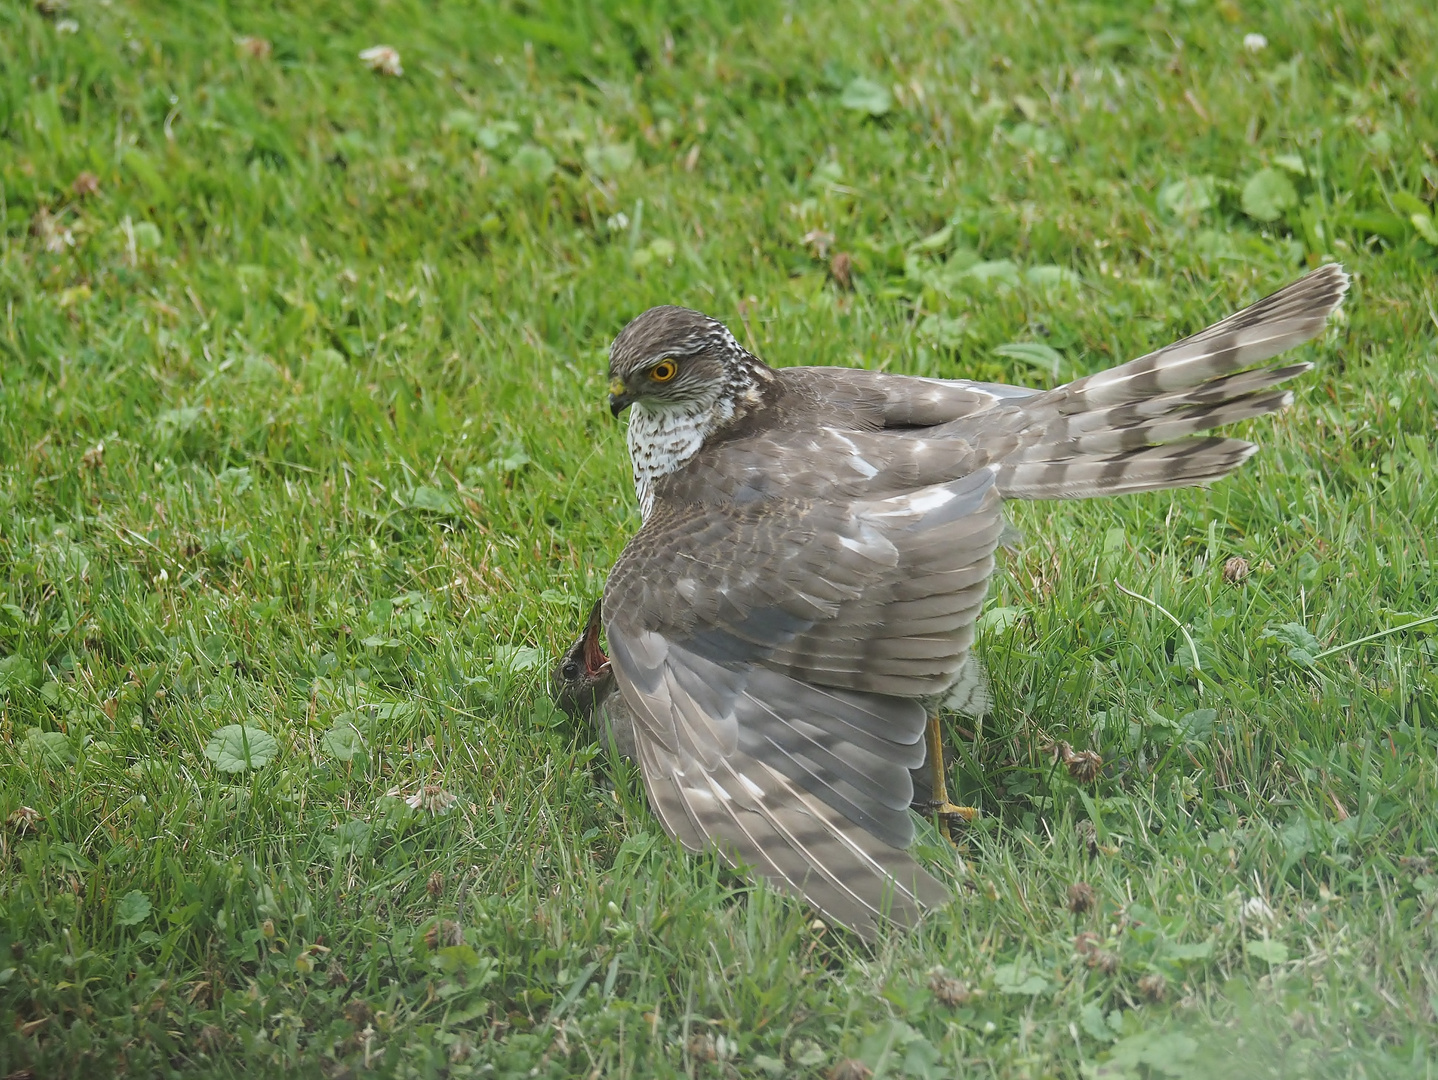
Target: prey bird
816,545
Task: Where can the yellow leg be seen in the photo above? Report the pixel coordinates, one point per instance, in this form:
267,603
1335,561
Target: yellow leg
939,796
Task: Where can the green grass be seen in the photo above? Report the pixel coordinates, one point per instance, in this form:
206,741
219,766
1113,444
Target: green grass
302,428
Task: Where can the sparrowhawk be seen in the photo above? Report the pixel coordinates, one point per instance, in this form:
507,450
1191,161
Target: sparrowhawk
815,549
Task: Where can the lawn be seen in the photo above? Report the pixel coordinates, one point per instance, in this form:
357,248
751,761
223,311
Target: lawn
306,475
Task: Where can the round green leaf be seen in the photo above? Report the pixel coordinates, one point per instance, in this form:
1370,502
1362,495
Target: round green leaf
1423,225
610,159
1268,194
1188,952
1016,979
1040,140
240,747
534,164
995,270
1189,197
134,907
434,500
943,331
342,741
15,670
517,658
351,837
147,235
865,95
1048,275
996,620
48,749
1268,950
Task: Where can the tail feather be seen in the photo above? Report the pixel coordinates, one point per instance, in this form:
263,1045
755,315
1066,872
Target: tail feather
1138,427
1189,418
1289,317
1149,468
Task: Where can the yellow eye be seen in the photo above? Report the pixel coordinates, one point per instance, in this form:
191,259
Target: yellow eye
664,371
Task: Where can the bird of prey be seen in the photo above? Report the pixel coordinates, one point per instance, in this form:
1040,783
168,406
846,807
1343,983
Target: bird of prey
815,549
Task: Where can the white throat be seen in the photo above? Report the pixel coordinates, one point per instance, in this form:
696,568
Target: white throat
662,439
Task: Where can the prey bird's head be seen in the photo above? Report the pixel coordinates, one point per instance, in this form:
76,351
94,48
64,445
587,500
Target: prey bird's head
582,678
671,357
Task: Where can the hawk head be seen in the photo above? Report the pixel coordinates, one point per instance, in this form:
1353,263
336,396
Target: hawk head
582,678
671,358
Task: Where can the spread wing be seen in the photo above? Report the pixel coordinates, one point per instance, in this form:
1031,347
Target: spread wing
1141,426
772,653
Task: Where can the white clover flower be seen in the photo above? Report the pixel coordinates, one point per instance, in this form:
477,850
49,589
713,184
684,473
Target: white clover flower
1256,909
383,59
257,47
1255,43
54,236
431,798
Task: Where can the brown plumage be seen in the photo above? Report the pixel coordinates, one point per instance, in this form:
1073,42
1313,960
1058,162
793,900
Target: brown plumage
582,686
816,548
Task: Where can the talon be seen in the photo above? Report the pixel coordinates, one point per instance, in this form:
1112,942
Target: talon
952,814
949,816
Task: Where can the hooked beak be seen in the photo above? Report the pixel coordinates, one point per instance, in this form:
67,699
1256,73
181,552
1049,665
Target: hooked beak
619,398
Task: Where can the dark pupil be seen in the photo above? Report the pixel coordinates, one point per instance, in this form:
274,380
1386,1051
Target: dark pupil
571,669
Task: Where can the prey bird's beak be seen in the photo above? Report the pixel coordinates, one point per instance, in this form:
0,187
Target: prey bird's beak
619,398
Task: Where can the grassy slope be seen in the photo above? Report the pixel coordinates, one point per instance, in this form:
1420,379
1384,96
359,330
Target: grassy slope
341,339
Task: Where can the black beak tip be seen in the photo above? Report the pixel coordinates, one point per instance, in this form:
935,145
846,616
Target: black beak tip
617,405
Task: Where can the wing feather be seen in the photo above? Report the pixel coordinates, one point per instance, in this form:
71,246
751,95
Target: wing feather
783,725
757,819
